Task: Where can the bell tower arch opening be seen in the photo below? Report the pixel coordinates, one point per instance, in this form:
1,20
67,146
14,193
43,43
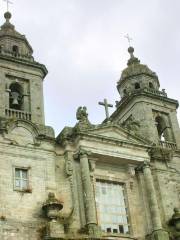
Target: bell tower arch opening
161,127
16,96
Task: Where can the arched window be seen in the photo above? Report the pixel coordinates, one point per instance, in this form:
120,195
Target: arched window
125,91
151,85
162,128
137,85
16,96
15,50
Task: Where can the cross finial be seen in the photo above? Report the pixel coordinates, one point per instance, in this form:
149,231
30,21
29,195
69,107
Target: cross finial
8,2
129,39
106,105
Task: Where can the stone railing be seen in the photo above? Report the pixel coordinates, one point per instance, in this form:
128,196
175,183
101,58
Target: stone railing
165,144
156,92
17,55
141,91
12,113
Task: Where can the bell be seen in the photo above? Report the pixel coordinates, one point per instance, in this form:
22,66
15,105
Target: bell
15,96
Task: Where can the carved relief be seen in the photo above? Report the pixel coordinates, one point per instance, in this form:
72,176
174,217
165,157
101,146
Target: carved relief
68,164
131,124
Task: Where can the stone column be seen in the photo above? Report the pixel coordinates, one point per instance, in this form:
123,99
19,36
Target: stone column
88,194
158,232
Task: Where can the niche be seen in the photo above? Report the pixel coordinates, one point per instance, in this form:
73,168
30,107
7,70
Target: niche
137,85
15,50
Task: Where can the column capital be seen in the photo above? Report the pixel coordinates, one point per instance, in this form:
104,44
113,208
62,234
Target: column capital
82,153
146,164
143,165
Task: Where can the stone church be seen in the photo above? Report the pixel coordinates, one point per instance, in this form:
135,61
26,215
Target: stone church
119,179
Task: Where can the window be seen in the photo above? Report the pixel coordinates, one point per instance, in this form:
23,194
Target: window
125,91
21,179
15,50
151,85
111,207
137,85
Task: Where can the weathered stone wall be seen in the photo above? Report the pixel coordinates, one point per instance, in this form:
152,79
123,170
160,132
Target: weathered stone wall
20,212
167,181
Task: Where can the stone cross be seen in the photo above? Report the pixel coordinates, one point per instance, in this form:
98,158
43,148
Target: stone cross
106,105
8,2
128,38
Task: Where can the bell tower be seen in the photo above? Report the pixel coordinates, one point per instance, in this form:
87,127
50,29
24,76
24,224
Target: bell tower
21,77
144,108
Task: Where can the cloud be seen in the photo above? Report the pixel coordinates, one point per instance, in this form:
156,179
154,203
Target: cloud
82,43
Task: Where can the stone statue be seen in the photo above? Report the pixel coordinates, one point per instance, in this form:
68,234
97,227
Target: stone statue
175,225
82,114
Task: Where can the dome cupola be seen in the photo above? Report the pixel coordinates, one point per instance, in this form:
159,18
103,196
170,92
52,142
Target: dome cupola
12,43
136,76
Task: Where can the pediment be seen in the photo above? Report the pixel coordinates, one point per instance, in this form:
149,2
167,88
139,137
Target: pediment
115,132
22,133
21,136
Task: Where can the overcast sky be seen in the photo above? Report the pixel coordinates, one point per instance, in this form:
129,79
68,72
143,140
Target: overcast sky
83,46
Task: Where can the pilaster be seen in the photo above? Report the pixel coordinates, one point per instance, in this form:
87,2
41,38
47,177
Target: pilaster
158,233
88,194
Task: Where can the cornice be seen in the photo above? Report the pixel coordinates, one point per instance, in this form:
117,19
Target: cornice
34,64
124,101
110,140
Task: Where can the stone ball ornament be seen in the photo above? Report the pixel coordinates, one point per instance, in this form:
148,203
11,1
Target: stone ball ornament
130,49
7,15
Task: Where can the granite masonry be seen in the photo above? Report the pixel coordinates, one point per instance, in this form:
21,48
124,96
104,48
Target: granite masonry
119,179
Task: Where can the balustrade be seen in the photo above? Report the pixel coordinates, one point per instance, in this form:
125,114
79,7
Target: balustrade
166,144
12,113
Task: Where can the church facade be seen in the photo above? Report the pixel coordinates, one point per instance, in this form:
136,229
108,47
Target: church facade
116,180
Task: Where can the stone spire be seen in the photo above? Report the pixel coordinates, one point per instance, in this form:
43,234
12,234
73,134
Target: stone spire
136,76
13,43
132,60
7,24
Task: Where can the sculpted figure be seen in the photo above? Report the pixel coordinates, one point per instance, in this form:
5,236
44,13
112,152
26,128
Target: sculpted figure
131,124
82,114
